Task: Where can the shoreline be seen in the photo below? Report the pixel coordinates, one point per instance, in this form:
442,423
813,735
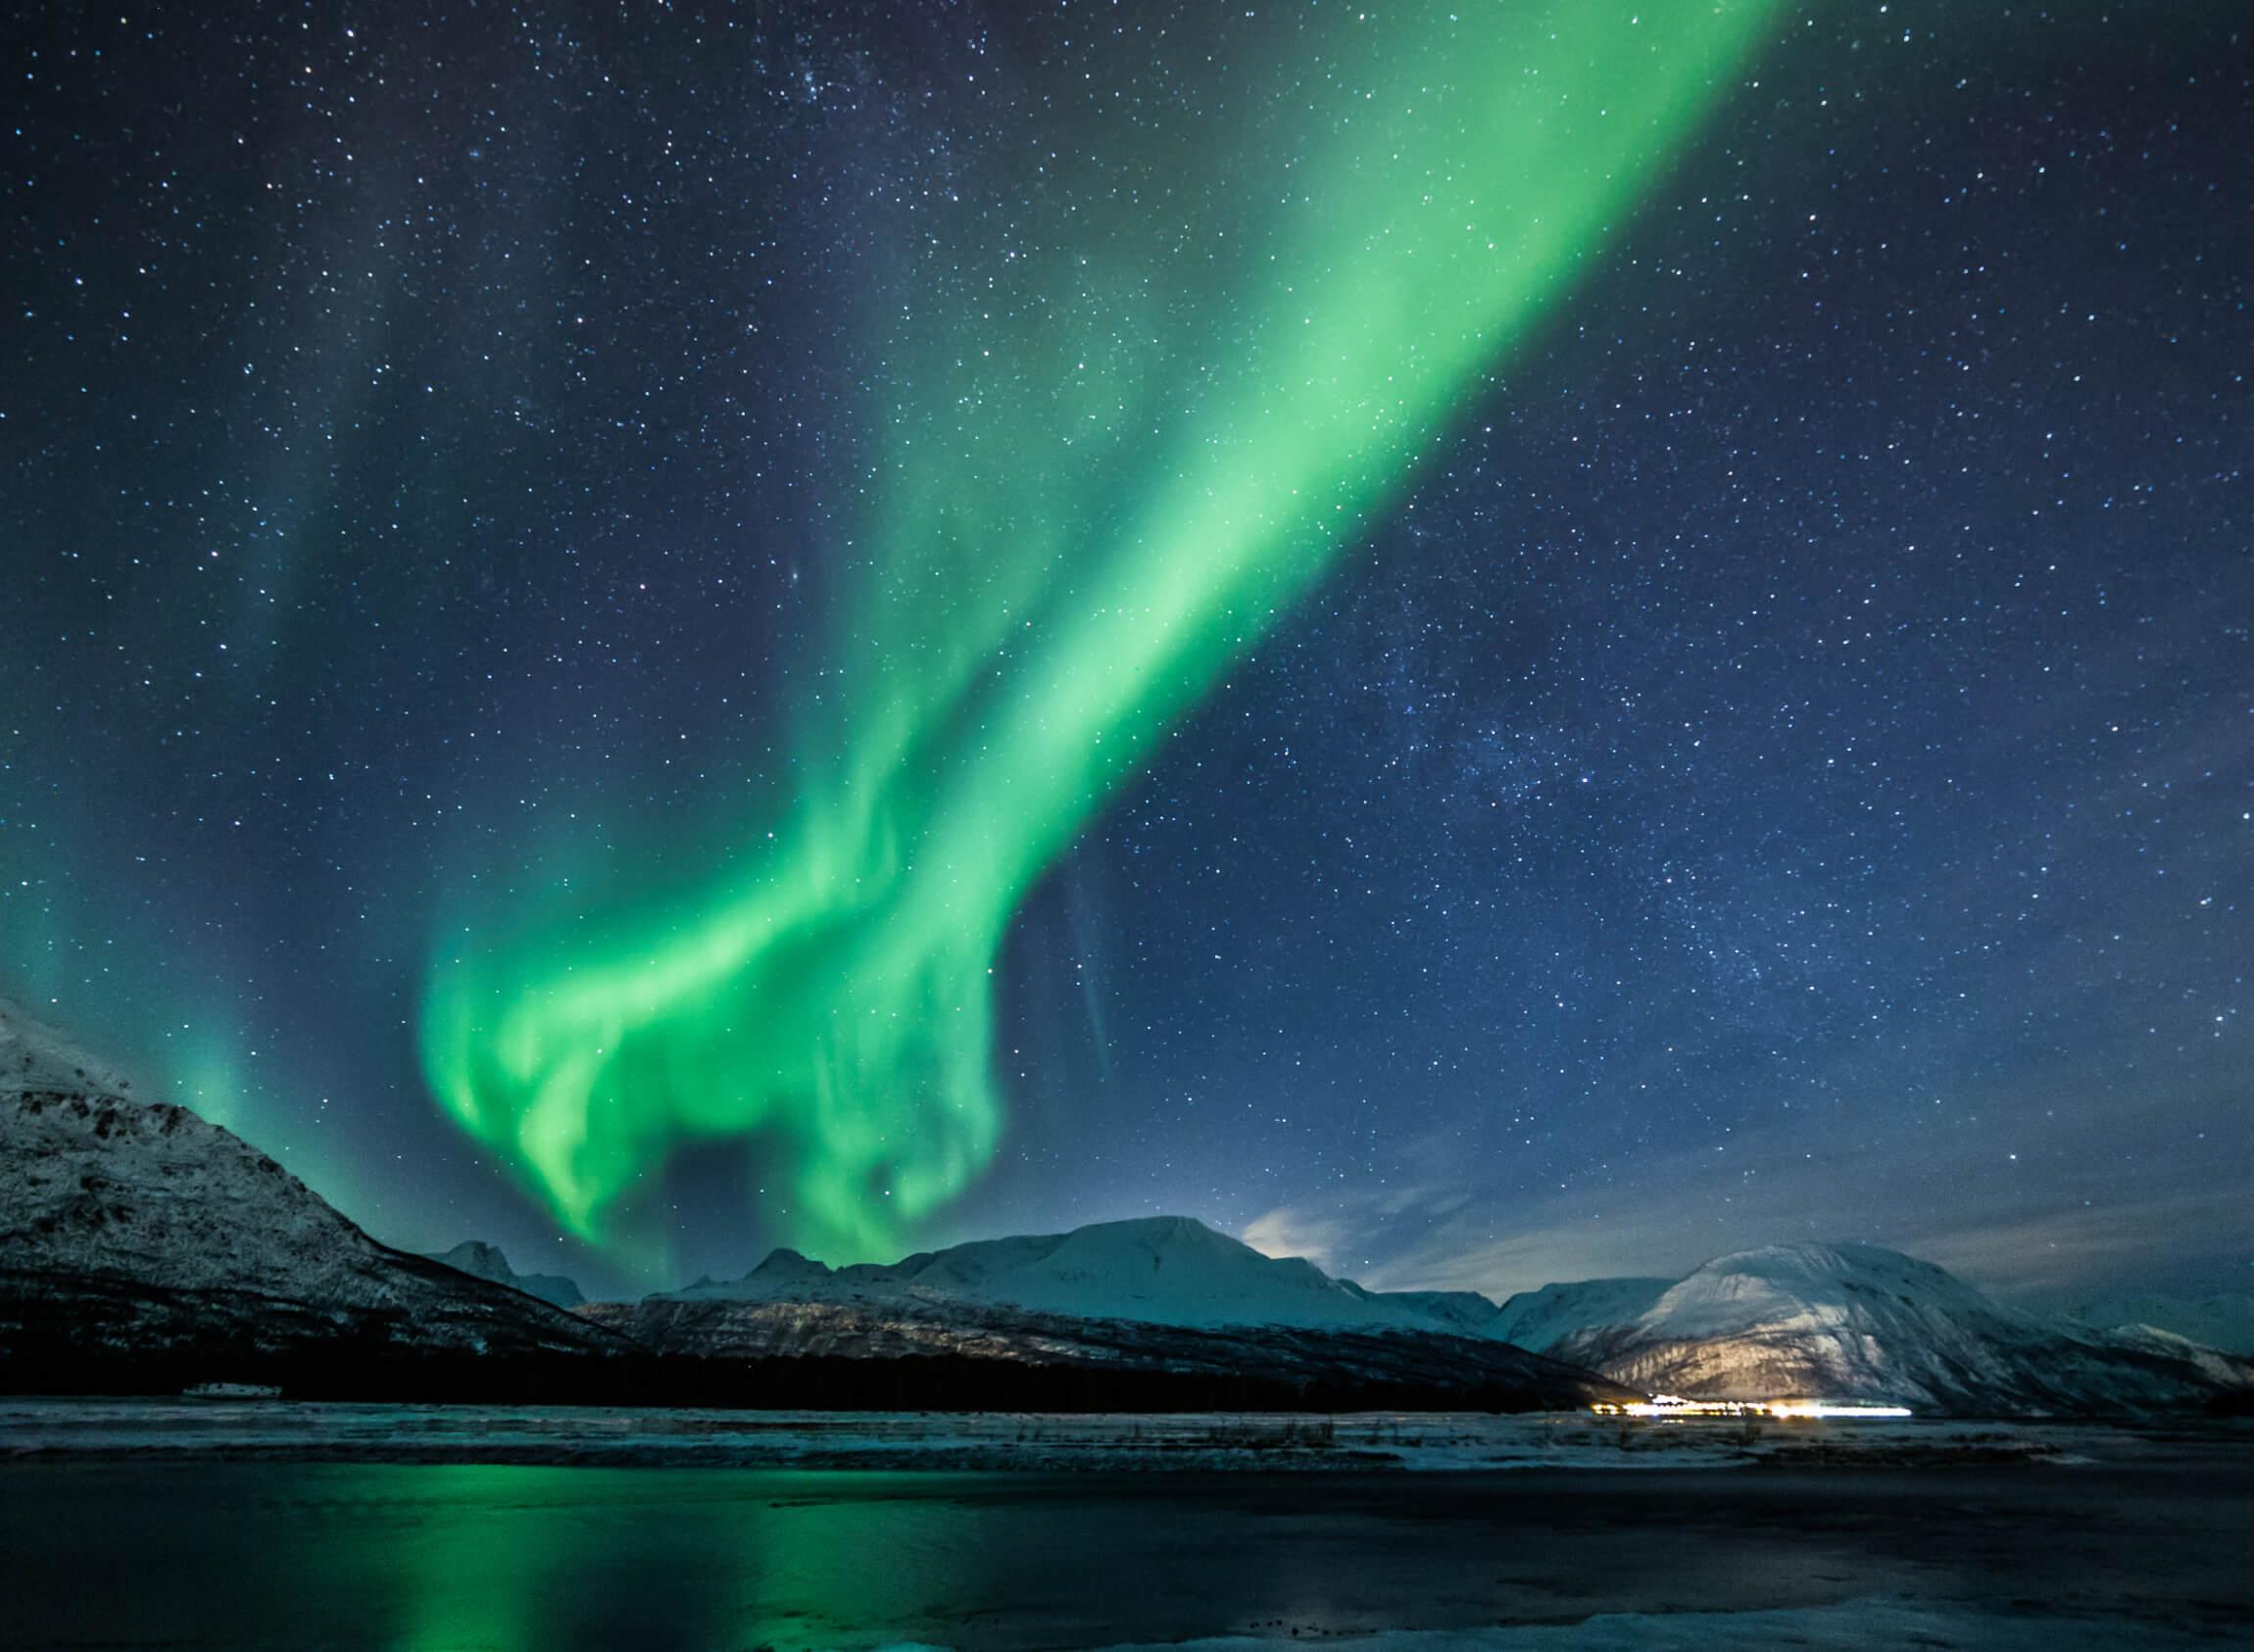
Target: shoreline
52,1430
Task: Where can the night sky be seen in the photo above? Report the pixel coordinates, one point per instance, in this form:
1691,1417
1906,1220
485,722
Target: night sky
573,578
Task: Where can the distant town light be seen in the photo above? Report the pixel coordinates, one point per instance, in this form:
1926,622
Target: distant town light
1674,1405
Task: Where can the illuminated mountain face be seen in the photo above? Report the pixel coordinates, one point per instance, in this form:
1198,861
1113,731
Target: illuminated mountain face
1858,1323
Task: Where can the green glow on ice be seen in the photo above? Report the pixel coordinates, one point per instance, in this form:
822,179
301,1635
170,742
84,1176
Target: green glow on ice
1218,347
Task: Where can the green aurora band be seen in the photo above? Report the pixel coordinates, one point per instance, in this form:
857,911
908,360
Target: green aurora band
1216,347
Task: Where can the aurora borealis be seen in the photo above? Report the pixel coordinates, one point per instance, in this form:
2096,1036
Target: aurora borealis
1481,641
1086,500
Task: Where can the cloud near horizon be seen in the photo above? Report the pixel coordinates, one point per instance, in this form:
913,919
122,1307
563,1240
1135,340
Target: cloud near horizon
1675,1213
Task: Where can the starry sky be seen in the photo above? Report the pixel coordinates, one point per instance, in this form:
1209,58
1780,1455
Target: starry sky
614,634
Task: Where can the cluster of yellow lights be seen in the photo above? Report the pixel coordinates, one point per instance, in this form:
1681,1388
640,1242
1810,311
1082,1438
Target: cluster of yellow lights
1673,1406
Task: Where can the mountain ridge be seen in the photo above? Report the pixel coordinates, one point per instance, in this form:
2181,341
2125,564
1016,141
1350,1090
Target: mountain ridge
1848,1320
1858,1322
134,1230
143,1247
2222,1320
135,1236
1164,1270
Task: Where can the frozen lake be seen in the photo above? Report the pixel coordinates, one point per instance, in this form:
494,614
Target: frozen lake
2077,1538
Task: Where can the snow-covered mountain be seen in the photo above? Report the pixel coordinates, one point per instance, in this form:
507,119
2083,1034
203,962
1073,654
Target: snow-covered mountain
485,1261
2223,1321
1835,1322
1858,1322
135,1236
1159,1270
1540,1319
949,1351
1465,1312
1117,1302
136,1231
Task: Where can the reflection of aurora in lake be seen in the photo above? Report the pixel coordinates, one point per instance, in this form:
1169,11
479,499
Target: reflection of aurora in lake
1217,343
418,1559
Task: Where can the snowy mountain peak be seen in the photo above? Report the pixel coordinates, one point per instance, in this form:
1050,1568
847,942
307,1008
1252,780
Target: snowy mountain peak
1808,1263
476,1256
785,1265
480,1260
1808,1284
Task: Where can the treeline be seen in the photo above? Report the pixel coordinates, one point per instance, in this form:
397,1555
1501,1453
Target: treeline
812,1382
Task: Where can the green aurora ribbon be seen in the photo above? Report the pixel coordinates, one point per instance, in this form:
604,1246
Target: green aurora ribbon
1218,346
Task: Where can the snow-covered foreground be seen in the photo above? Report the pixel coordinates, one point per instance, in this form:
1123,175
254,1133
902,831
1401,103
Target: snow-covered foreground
1005,1442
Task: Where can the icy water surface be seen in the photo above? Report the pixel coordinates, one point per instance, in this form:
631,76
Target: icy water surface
2142,1546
